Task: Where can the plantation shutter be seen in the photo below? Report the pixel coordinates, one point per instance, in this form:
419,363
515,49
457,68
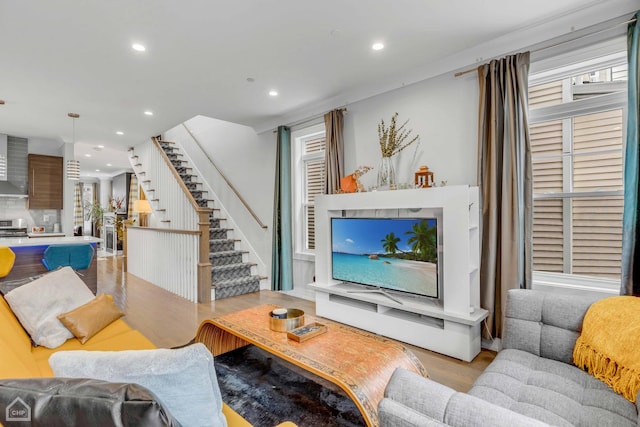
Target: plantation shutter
597,221
588,228
314,183
546,151
545,94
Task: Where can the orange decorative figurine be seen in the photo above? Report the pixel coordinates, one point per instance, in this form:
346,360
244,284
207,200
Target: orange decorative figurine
351,183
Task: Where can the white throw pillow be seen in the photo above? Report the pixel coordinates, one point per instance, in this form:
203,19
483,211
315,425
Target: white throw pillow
38,304
183,379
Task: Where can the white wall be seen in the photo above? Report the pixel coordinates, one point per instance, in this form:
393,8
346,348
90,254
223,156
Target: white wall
247,161
46,146
442,110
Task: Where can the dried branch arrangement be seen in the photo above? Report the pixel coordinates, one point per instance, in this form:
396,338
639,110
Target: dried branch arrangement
394,139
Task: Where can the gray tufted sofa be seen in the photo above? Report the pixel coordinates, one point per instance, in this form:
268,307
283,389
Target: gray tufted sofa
531,382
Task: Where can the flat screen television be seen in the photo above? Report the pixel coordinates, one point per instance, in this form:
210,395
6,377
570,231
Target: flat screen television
397,254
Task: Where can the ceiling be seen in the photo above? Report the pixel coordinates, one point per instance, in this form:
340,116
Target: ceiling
69,56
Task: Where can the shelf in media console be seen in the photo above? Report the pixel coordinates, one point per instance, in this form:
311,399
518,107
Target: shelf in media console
347,294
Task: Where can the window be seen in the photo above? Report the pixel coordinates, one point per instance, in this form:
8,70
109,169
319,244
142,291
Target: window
577,123
309,175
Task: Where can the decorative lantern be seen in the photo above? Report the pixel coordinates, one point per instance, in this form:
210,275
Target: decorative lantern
423,178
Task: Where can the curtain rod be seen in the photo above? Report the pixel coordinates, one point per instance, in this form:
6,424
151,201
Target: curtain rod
461,73
312,118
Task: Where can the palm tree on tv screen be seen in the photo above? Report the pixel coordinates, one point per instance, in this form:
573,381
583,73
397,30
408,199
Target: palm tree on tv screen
390,243
423,241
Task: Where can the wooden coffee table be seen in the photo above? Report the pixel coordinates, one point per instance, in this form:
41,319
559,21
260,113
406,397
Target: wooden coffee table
359,362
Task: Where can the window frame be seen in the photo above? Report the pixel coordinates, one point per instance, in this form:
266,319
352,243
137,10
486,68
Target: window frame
566,111
299,162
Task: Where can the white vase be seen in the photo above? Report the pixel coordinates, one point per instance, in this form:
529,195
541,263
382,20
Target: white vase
386,174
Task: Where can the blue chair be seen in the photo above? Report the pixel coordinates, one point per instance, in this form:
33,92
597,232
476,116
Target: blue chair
78,257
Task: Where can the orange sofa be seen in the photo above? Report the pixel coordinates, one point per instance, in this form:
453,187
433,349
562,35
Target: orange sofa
19,359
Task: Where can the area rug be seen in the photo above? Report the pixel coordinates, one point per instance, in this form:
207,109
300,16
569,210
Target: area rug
267,390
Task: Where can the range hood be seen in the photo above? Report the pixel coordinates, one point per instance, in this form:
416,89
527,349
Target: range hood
7,189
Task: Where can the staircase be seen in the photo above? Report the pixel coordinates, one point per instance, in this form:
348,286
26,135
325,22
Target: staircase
231,275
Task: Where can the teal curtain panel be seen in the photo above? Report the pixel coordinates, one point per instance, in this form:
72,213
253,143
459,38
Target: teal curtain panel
630,284
282,251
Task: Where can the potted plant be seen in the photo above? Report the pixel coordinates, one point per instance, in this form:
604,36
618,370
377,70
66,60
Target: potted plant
94,213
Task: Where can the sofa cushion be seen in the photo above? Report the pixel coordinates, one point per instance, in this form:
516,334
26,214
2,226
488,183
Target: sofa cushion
60,401
38,304
551,391
130,340
412,400
14,364
184,379
544,324
89,319
12,330
112,334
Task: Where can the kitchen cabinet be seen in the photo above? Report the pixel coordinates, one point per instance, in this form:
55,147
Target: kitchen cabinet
45,181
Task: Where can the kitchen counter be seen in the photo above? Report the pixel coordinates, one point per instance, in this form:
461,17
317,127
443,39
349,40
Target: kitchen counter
41,235
51,239
29,253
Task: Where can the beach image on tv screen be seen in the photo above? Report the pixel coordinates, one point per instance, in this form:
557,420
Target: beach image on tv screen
398,254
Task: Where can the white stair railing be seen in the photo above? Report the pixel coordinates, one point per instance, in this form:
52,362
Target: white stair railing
252,234
172,207
165,258
174,252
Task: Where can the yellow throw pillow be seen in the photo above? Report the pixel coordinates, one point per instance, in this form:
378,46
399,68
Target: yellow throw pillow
89,319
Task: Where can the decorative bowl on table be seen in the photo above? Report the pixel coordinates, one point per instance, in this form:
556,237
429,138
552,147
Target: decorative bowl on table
285,319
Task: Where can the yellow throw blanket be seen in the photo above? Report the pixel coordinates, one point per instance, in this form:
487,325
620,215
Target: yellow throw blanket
609,347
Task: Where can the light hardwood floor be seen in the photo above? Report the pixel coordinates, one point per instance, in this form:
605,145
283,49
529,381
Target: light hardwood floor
169,320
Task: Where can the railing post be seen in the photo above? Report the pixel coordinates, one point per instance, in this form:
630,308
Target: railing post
204,264
126,224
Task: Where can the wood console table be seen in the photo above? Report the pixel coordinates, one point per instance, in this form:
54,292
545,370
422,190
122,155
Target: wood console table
359,362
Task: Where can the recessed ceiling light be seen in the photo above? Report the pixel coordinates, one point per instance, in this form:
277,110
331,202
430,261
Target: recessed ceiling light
273,93
119,132
87,155
148,113
138,47
97,170
377,46
100,146
108,164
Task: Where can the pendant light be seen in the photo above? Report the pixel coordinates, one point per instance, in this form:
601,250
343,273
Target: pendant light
73,166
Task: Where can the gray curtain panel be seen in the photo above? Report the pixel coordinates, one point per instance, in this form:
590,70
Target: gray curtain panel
505,180
334,151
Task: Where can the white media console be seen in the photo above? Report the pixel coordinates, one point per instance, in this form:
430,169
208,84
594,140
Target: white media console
450,325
